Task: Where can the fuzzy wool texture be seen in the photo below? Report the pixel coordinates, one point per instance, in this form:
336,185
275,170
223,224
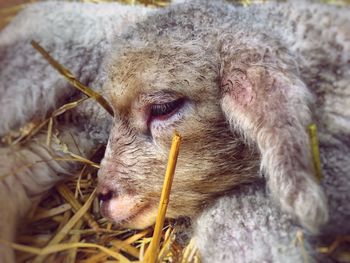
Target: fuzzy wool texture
248,227
244,226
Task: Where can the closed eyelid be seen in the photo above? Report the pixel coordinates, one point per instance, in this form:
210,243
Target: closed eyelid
158,97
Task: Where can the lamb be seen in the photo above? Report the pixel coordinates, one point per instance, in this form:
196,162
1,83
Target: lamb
229,71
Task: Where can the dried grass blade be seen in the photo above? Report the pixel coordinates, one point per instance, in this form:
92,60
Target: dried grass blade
142,252
300,240
100,257
71,223
315,151
51,212
168,241
29,134
336,243
190,253
137,236
76,158
120,245
70,77
67,107
72,255
61,247
84,160
49,132
151,253
69,197
78,183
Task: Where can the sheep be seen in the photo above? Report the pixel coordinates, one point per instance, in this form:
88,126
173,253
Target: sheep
237,87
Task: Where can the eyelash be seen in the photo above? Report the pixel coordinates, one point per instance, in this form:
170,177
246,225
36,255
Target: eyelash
165,110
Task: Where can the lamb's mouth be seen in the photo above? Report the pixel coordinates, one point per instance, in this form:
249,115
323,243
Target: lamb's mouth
129,211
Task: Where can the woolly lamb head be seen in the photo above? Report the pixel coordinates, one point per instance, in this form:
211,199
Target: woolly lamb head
236,99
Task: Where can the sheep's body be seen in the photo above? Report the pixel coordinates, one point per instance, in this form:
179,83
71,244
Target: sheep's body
31,89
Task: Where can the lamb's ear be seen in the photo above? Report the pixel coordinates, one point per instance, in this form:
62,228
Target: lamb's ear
270,108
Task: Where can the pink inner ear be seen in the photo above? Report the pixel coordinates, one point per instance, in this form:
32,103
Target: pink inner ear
238,86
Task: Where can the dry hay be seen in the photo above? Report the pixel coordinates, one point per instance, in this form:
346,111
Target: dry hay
66,226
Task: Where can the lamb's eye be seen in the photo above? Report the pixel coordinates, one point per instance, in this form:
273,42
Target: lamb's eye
165,110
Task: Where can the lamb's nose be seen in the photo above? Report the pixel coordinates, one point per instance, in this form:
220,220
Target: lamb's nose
105,196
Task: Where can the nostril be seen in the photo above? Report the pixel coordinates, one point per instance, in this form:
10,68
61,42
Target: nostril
105,196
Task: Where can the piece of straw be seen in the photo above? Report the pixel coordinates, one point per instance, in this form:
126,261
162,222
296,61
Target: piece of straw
70,198
190,253
300,240
49,132
70,77
31,129
51,212
71,223
137,236
61,247
72,254
152,251
336,243
315,151
100,257
129,249
169,238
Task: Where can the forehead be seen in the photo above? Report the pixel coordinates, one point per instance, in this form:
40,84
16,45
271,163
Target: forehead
158,69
